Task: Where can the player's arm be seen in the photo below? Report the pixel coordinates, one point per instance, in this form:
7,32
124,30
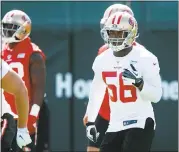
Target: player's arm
13,84
101,50
97,91
152,86
96,95
38,79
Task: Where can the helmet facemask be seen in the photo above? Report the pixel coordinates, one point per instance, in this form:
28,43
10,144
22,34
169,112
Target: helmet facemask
13,32
119,39
9,30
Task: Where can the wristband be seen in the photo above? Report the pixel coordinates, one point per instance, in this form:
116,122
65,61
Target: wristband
35,110
89,123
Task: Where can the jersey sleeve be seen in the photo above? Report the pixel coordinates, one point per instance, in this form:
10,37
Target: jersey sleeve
102,49
4,68
36,49
152,88
96,95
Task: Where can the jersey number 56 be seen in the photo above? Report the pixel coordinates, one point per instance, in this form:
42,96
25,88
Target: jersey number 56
122,88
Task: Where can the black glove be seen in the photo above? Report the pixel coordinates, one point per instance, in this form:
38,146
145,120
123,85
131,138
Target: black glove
91,132
133,75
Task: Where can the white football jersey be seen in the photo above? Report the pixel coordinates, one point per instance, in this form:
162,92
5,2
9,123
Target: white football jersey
129,106
4,106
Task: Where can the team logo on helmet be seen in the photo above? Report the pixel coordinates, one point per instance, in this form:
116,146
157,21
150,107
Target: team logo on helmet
131,21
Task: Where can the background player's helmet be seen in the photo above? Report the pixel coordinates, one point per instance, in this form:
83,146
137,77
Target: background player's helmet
16,26
111,10
120,30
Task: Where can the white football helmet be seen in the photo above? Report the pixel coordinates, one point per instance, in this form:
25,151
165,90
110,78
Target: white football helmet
16,26
113,9
120,30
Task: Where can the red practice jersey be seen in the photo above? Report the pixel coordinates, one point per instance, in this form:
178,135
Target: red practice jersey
18,59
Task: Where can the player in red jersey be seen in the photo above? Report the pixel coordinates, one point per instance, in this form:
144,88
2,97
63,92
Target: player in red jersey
102,120
28,61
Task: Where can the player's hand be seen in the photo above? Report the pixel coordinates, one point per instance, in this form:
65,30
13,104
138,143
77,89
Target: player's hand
133,76
85,119
23,138
91,132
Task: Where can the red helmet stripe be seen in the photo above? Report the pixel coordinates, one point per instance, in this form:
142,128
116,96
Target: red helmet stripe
110,13
113,20
119,19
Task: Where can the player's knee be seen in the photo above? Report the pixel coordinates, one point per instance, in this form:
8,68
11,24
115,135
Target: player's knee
21,89
92,149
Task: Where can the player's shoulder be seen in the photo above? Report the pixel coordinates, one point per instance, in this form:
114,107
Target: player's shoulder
101,59
5,51
35,47
4,48
144,53
102,49
138,45
106,54
36,51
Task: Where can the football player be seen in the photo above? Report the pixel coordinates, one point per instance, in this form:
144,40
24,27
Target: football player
103,117
27,59
13,84
133,81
